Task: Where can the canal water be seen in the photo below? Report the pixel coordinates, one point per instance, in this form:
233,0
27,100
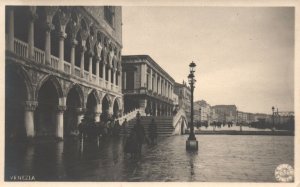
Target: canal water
221,158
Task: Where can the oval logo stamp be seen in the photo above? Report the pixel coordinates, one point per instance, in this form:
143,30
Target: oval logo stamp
284,173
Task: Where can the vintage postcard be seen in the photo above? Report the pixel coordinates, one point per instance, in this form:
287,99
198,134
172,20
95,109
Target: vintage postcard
110,91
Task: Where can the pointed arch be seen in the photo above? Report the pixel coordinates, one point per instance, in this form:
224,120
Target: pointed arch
24,76
95,94
108,98
55,82
78,89
118,100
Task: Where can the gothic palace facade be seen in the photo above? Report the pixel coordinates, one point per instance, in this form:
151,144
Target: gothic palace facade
61,63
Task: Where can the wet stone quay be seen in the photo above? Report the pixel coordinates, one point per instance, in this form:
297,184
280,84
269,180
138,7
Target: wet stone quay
221,158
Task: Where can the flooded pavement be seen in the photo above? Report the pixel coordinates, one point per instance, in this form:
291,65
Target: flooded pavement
221,158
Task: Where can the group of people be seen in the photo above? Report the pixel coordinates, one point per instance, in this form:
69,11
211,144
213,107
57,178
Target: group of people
93,130
137,137
134,137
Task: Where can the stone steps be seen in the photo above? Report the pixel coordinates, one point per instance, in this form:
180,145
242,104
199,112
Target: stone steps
164,124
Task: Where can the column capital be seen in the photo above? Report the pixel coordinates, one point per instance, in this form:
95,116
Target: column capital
97,58
80,110
61,108
33,16
64,17
83,49
74,42
30,105
49,27
62,35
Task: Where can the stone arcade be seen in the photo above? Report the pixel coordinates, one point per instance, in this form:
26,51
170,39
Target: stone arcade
61,63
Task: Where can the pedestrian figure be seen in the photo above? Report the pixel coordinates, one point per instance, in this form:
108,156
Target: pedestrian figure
152,130
124,125
109,127
138,115
140,135
131,145
116,128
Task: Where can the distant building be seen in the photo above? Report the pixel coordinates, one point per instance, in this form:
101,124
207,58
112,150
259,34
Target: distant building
224,113
175,101
205,114
259,116
242,117
146,85
184,98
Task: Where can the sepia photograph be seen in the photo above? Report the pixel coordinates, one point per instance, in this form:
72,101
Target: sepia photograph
149,93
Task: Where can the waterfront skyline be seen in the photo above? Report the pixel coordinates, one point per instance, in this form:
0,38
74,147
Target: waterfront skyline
243,56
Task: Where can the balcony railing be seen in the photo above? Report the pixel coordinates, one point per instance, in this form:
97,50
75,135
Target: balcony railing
21,48
54,62
86,75
39,56
100,81
94,79
106,84
67,67
77,71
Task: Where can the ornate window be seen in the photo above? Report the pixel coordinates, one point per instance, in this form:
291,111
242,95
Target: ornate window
109,14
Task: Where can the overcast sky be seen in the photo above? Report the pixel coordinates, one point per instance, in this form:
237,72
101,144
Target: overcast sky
244,56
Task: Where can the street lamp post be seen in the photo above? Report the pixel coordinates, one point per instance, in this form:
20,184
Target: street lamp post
192,143
273,108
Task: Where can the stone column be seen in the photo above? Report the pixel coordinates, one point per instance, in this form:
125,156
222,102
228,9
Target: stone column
83,49
97,70
124,80
90,67
150,81
143,75
114,76
169,91
60,121
31,21
104,74
72,59
49,28
80,113
62,36
142,103
29,109
162,87
166,88
120,81
11,29
155,83
111,109
109,77
98,112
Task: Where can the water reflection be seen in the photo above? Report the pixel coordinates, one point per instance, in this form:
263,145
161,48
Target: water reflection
220,158
192,159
